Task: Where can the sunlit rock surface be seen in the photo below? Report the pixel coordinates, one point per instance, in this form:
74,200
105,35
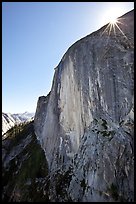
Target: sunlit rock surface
86,123
9,120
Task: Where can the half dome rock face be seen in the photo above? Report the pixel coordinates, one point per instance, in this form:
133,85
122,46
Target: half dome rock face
87,120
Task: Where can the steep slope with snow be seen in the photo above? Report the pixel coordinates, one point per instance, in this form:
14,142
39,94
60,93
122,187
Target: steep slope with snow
9,120
24,166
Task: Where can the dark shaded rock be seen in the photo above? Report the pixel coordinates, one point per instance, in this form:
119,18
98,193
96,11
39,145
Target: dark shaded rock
24,167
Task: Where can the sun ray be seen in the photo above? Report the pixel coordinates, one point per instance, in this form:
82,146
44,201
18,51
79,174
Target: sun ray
105,29
110,29
112,26
121,31
114,30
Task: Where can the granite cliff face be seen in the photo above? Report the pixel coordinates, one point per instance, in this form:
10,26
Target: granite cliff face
85,125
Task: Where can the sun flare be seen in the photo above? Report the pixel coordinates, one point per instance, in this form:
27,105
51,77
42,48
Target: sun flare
111,15
113,20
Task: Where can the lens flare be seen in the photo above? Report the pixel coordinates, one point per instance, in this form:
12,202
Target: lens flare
113,25
111,29
113,20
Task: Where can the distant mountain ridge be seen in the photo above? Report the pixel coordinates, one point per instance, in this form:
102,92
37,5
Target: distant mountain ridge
9,120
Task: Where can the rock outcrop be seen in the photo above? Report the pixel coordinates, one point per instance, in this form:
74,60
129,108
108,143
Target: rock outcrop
86,123
24,166
9,120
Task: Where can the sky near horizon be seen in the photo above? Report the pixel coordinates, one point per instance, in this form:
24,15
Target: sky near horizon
35,36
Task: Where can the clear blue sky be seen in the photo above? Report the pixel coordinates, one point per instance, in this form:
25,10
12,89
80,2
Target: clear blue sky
35,36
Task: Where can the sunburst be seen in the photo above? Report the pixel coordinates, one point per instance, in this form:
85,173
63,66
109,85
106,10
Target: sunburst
113,25
113,20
